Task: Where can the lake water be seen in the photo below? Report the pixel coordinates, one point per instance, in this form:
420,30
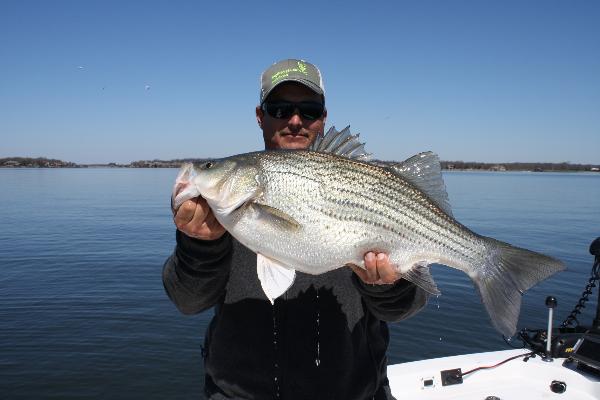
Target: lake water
83,311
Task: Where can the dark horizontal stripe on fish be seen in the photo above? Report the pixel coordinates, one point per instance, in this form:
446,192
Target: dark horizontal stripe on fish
386,188
419,203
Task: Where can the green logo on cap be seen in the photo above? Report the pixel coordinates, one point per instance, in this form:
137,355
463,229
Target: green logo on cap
302,67
278,76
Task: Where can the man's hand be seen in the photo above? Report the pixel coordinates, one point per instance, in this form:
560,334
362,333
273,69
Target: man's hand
196,219
378,271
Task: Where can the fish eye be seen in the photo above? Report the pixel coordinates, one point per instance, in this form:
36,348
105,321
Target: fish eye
208,165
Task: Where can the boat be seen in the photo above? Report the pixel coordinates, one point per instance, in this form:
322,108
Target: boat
562,365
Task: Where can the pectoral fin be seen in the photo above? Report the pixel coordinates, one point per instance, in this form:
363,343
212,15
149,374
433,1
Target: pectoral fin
274,277
419,275
273,215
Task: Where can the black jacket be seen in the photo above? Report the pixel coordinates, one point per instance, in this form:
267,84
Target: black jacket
323,339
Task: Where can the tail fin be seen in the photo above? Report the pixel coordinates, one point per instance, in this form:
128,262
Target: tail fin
183,189
507,273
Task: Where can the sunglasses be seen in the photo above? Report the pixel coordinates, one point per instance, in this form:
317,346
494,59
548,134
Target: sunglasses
285,109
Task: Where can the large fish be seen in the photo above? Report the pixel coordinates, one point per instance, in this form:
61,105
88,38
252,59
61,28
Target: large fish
320,209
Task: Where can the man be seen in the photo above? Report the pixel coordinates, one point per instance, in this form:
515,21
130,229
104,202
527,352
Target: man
325,337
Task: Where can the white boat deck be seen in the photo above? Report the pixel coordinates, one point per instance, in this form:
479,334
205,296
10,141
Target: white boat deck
515,379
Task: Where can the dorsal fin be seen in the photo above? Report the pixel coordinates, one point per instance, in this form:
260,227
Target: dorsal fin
341,143
424,171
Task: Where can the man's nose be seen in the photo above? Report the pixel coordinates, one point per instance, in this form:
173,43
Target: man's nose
295,119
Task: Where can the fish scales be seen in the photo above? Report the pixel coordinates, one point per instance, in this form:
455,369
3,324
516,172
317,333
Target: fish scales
389,187
388,190
378,199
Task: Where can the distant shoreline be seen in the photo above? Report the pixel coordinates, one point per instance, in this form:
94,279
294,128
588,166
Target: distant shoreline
41,162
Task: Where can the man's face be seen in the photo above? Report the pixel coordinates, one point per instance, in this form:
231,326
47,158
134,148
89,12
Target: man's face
294,132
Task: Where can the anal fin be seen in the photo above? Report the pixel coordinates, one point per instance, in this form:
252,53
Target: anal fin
420,275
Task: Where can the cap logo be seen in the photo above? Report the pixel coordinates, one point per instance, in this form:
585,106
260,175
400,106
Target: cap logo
283,74
302,67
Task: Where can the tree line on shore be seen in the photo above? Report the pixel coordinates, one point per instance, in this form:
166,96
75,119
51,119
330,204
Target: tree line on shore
518,166
42,162
38,162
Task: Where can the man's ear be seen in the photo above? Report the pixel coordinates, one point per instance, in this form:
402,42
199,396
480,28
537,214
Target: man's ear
324,116
259,116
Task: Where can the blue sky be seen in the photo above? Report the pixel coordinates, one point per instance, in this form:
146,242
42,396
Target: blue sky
104,81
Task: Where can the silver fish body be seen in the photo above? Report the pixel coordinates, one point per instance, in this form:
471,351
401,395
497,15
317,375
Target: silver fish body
315,212
343,209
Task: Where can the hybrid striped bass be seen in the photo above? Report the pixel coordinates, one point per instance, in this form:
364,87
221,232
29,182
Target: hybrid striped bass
317,210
